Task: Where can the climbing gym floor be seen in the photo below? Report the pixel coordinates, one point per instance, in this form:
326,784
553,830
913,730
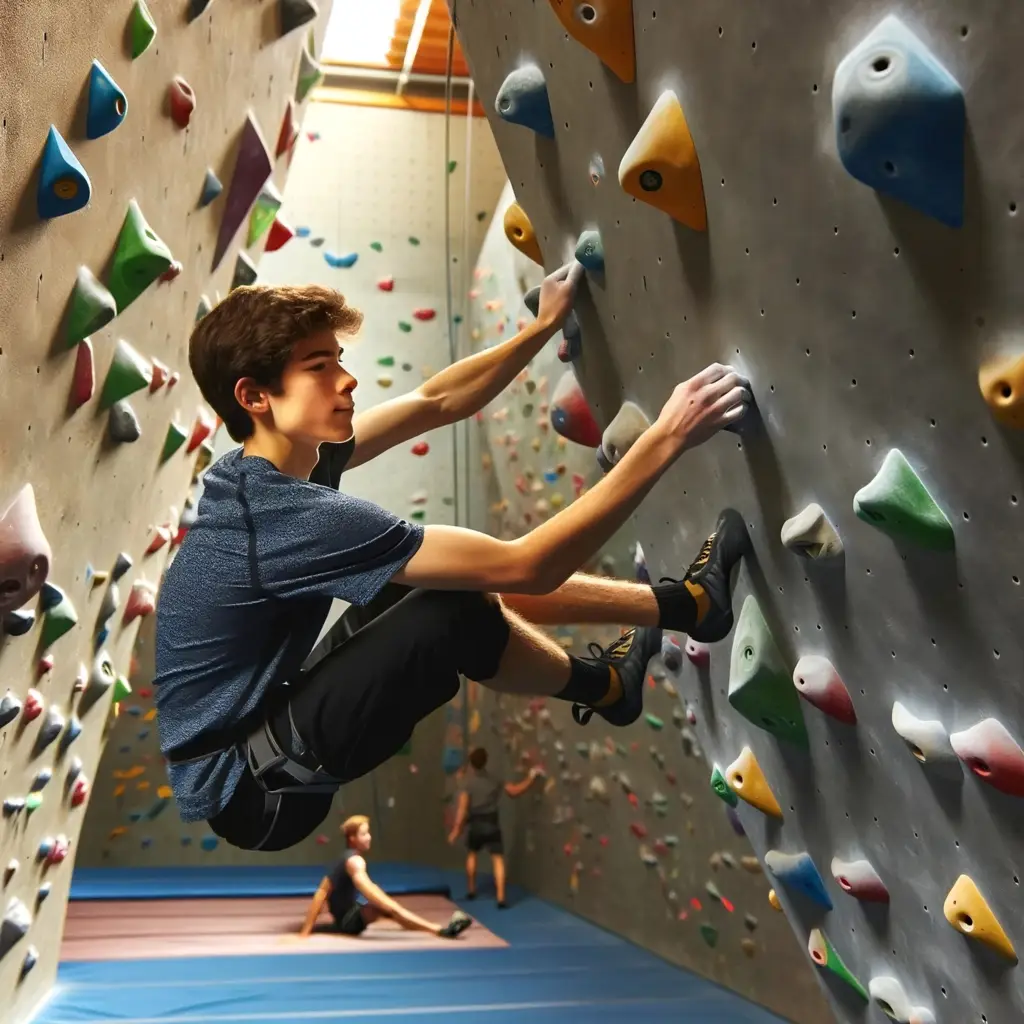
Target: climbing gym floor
532,959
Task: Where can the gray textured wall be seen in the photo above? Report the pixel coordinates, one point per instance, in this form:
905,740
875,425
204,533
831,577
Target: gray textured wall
862,325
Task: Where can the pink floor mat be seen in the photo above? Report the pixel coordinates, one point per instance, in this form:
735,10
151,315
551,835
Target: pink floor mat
149,929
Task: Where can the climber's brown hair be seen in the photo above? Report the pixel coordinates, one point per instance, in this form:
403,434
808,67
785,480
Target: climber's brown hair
350,826
478,758
252,333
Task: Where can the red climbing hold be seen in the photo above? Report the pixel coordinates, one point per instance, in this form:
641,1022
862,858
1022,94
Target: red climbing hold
200,431
424,313
603,840
420,448
141,600
289,133
84,381
79,791
33,706
280,234
386,284
161,536
639,829
171,272
159,377
44,665
570,413
181,101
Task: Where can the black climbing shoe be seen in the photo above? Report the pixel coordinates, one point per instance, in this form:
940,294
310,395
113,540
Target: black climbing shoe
629,655
712,571
456,926
502,905
470,896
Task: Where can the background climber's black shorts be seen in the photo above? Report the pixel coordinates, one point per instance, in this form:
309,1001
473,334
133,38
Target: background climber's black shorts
351,922
483,832
377,672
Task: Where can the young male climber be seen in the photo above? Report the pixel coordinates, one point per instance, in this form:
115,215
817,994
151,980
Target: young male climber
478,809
260,730
340,892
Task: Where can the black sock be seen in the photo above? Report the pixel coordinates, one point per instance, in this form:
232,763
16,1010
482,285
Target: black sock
589,682
676,607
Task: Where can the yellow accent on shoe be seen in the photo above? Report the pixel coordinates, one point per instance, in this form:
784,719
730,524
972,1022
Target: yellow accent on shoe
701,599
614,692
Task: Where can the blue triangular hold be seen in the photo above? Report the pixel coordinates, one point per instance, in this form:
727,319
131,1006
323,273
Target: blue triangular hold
18,622
211,188
64,187
50,596
900,121
107,103
797,871
523,99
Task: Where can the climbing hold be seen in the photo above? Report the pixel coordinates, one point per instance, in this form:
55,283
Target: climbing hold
747,781
10,708
590,251
811,534
386,284
424,313
721,787
141,600
175,438
654,721
605,27
892,1000
280,235
122,564
989,750
264,210
289,133
197,7
43,892
79,791
621,434
202,309
12,805
661,168
969,913
670,654
142,28
928,740
128,373
30,960
898,503
209,843
523,99
823,953
519,231
16,923
596,169
760,687
122,689
41,779
73,731
773,899
346,261
51,596
18,623
709,933
111,599
571,344
24,551
181,101
84,379
860,879
64,187
310,75
211,189
295,13
91,307
201,430
58,620
107,103
420,448
570,413
33,706
252,168
818,682
798,871
900,120
385,380
413,240
698,653
139,259
1002,385
245,272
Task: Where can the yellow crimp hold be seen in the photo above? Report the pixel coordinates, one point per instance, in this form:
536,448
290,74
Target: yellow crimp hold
519,231
969,913
605,28
747,781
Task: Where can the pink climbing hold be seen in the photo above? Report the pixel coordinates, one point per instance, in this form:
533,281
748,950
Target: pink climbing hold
420,448
83,383
201,430
24,551
58,850
570,414
386,284
141,601
44,665
818,682
424,313
33,706
698,653
988,749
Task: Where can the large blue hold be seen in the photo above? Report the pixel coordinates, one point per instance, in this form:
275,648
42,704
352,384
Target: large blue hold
64,187
108,105
523,99
900,122
797,871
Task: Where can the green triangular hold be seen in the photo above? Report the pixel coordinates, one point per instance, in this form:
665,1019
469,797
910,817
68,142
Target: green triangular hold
310,75
264,210
176,435
404,326
128,373
142,28
92,307
654,721
139,259
452,164
722,788
418,514
709,933
122,689
760,686
386,361
33,801
57,621
898,503
413,240
376,247
824,954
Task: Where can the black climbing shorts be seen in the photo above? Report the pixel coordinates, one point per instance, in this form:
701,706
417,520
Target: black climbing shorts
351,922
377,672
483,832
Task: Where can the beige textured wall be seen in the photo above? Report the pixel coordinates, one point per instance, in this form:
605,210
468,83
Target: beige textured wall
96,498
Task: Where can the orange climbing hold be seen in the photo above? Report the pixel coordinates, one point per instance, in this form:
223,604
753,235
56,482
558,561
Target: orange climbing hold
519,231
605,27
1002,386
661,168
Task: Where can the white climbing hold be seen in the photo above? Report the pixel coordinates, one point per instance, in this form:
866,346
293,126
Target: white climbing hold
811,534
927,739
623,431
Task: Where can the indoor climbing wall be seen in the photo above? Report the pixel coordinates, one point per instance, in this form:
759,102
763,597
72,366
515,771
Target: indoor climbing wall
827,199
128,123
387,257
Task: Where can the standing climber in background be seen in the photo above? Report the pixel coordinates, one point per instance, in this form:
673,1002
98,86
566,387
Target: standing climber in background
478,809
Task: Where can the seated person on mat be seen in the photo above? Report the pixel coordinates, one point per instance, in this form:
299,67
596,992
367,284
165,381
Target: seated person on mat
341,889
259,729
478,809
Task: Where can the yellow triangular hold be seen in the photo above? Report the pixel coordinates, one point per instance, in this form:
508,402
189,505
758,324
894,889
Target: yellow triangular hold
605,28
747,780
661,166
969,913
519,231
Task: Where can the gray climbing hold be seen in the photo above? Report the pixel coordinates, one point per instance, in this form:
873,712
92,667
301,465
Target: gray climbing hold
41,780
122,564
590,251
523,100
927,740
111,599
622,433
52,727
531,300
197,7
15,926
602,460
811,534
296,13
245,272
10,708
124,424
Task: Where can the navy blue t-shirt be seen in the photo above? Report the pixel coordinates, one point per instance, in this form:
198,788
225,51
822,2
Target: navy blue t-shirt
247,594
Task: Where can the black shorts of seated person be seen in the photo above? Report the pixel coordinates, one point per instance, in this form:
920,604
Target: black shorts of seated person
377,672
